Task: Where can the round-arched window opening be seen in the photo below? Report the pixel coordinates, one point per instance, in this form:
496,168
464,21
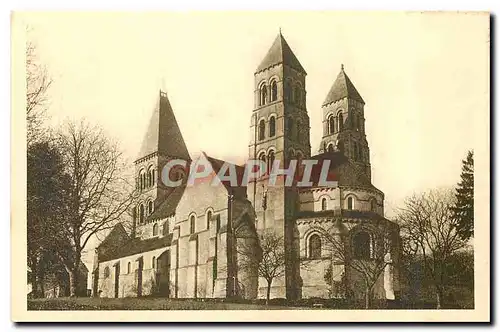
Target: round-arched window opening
350,203
362,245
209,217
323,204
192,224
274,91
272,126
263,94
314,246
262,130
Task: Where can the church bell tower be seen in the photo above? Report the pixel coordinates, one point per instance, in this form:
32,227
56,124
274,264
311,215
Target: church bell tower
280,132
344,123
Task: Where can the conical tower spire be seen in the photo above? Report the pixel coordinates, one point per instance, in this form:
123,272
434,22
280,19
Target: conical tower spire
163,135
280,53
342,88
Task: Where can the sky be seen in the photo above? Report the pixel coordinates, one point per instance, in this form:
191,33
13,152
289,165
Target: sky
424,79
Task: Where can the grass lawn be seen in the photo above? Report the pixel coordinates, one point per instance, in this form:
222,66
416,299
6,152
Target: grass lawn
88,303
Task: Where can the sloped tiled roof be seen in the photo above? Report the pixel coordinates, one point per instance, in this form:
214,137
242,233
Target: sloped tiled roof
280,53
136,246
341,170
169,205
342,88
163,134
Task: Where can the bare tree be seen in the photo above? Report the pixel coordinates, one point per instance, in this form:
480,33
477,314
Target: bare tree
38,83
428,229
99,195
270,264
373,259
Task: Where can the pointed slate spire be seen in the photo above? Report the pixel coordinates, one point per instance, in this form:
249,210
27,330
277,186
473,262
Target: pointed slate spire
163,134
280,53
342,88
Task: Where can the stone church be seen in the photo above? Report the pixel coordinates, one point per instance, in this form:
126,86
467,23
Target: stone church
184,239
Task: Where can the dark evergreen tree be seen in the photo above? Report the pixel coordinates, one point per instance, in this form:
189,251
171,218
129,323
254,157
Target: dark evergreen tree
47,194
463,210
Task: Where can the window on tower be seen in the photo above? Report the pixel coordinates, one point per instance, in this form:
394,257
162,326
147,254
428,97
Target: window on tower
150,207
330,147
141,213
331,124
272,126
270,159
373,205
274,91
155,229
341,123
262,129
263,94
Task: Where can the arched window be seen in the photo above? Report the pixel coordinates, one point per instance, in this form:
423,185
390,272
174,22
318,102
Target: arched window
142,177
274,91
323,204
150,207
373,205
270,161
263,94
362,245
262,129
141,213
106,272
209,217
155,229
341,123
355,148
331,124
165,228
151,176
297,131
350,203
298,95
314,246
129,267
272,126
330,147
359,122
192,224
153,262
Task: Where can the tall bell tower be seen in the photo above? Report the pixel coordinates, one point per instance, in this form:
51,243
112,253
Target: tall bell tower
344,123
279,131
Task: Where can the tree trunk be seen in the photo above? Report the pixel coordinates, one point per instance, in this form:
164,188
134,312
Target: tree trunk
34,285
439,297
268,295
367,297
73,281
